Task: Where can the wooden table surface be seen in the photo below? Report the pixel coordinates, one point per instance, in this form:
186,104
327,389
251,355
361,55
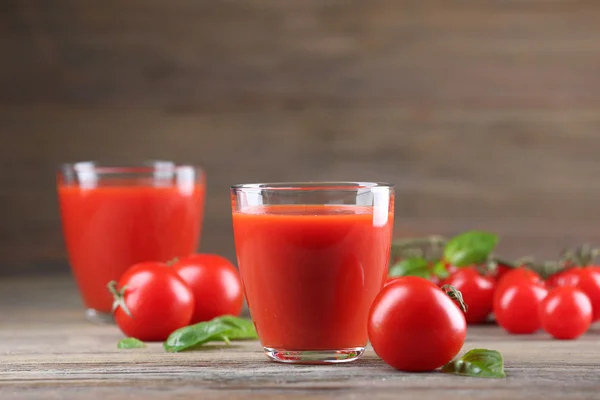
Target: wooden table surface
47,351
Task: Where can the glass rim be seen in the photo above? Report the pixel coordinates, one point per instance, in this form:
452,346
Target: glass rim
314,185
141,167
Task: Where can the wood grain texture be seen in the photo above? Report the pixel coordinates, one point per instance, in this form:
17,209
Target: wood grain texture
47,351
484,114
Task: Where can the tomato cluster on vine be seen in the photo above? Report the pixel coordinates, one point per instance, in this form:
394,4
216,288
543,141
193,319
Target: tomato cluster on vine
561,297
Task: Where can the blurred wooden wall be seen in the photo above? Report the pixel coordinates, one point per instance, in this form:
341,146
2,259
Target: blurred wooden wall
484,113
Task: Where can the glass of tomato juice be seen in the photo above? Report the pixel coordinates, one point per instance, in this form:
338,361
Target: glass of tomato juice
116,216
312,258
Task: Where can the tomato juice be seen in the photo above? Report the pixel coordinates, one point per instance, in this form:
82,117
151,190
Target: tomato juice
311,272
115,224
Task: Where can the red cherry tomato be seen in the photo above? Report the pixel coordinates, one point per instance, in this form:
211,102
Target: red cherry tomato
589,283
414,326
477,291
215,283
153,302
520,274
516,306
567,277
566,313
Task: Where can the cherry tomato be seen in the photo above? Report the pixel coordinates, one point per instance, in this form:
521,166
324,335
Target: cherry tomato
414,326
516,306
521,274
566,312
153,301
589,283
567,277
215,283
585,278
477,291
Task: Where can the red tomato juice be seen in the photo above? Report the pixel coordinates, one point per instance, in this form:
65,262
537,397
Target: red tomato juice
310,273
108,228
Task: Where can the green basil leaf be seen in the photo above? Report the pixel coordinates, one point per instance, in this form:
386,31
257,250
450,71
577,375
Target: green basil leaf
469,248
219,329
130,343
440,270
482,363
197,334
416,266
243,328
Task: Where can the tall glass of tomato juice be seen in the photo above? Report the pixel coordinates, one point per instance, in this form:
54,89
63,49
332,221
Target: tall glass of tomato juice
117,216
312,258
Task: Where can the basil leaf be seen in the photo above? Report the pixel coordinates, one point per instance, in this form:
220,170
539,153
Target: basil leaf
244,328
482,363
416,266
196,335
130,343
440,270
468,248
219,329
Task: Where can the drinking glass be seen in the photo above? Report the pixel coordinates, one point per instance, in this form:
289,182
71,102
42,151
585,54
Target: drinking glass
116,216
312,258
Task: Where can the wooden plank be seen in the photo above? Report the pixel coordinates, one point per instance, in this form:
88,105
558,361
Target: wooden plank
205,56
528,176
49,352
483,113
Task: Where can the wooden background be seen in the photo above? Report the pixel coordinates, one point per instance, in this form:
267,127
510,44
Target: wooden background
486,114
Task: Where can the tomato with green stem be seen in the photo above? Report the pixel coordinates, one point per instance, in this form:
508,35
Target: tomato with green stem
581,273
477,291
416,326
151,301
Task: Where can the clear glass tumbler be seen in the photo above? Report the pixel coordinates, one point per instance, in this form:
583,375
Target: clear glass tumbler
117,216
312,258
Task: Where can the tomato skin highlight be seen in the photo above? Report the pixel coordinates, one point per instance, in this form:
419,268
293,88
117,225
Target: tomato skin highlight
566,312
159,301
216,285
477,291
516,306
414,326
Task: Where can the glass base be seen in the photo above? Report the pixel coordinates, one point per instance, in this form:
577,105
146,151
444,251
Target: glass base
98,317
314,356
